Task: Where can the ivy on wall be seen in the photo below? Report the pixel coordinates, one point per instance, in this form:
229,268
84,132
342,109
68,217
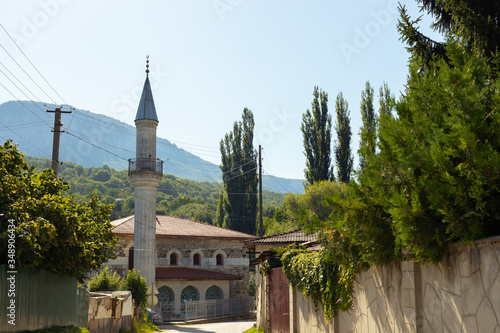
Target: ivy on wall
317,275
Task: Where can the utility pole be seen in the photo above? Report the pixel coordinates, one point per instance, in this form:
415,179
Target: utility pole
261,229
57,133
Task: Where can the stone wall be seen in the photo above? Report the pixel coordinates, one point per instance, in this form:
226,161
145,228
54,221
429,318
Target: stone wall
461,294
234,253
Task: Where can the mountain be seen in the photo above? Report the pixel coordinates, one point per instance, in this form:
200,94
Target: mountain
93,140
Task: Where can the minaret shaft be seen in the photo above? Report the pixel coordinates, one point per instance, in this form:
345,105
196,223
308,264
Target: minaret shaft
145,172
146,139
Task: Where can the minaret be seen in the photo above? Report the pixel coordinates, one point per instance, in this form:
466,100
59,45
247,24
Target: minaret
145,172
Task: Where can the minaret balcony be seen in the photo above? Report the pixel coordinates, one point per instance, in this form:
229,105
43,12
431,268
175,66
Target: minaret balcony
139,165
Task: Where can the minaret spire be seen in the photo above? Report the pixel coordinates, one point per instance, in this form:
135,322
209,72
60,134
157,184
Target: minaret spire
146,109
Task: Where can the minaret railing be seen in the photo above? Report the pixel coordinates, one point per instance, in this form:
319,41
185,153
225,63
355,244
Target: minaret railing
137,165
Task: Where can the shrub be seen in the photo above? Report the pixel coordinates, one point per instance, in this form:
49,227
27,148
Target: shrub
136,284
107,280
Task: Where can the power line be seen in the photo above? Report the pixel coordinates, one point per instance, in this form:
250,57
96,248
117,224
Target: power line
17,99
192,144
103,142
33,66
19,83
90,143
237,167
29,143
27,74
22,93
244,173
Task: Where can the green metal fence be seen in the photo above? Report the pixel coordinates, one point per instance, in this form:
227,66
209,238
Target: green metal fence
34,299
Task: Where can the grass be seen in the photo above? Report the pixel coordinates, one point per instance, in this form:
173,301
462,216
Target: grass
140,327
253,330
61,329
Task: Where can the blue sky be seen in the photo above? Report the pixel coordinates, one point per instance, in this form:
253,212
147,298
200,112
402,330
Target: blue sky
209,60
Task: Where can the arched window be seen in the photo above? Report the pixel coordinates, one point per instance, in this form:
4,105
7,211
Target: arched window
214,292
173,259
189,293
166,299
197,259
131,258
220,259
165,295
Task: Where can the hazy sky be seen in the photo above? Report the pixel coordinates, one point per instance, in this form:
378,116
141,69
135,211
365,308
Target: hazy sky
209,60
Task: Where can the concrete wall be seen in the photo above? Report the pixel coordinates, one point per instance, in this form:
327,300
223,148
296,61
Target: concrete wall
110,311
461,294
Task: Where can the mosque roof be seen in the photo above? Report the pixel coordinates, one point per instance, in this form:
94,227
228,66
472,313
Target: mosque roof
171,226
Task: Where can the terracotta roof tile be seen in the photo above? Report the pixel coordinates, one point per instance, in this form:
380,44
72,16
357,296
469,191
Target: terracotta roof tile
171,226
185,273
296,236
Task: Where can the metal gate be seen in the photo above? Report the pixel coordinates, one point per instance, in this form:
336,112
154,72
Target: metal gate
279,305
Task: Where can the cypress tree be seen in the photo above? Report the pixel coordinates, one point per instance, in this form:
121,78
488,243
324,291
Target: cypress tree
343,154
368,130
317,134
239,174
476,23
387,102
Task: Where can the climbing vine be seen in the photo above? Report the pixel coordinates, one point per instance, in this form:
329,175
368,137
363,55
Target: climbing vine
327,276
319,276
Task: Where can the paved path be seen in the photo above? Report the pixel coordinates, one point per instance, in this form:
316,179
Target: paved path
237,326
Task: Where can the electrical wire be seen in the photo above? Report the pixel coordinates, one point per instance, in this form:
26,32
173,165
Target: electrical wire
90,143
27,74
38,99
33,66
242,174
21,137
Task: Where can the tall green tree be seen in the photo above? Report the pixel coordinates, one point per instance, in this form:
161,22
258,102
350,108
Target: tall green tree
343,153
435,180
369,129
239,174
476,23
52,231
317,134
387,102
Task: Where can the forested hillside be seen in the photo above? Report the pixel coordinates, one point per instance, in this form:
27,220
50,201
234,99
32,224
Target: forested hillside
94,140
176,196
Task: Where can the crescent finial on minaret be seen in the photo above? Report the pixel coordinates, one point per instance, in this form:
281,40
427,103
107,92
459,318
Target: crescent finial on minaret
147,65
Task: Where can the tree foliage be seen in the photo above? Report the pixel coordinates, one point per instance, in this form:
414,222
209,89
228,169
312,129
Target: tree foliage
343,154
435,180
239,168
52,232
368,131
387,102
176,196
106,280
475,23
137,285
317,134
320,276
310,209
109,280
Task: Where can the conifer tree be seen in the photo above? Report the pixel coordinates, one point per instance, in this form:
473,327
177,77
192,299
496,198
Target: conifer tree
343,154
317,133
476,23
369,129
239,174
